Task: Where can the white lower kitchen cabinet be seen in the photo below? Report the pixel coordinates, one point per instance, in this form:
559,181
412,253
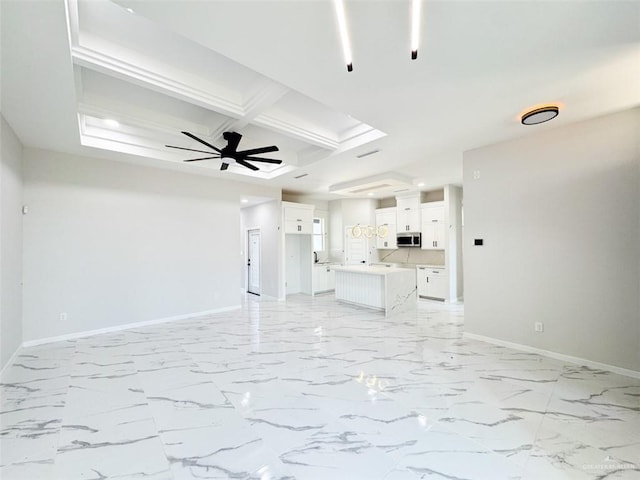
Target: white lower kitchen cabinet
433,282
324,278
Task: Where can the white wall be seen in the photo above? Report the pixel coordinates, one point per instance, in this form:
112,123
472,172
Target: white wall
359,210
336,231
293,262
268,218
11,190
560,217
298,261
111,244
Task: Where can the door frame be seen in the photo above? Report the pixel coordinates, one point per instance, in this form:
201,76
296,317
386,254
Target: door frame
367,247
246,260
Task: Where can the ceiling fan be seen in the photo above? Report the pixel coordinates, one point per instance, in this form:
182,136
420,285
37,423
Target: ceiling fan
242,157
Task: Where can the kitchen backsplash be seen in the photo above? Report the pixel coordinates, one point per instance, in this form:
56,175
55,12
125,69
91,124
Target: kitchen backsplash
409,255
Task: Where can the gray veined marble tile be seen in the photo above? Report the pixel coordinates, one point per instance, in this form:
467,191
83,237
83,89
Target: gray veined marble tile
558,456
216,453
192,406
446,454
337,452
308,389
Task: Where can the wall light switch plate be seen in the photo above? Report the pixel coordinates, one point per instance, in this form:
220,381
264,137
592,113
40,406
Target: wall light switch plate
538,326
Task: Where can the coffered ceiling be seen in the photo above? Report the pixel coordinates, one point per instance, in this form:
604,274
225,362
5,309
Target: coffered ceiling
273,71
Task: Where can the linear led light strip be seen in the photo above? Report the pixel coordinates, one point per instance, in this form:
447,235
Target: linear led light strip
415,28
344,34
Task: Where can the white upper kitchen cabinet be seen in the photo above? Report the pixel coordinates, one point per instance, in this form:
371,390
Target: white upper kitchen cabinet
298,218
433,226
386,225
408,213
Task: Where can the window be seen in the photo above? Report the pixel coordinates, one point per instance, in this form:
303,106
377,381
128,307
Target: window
318,234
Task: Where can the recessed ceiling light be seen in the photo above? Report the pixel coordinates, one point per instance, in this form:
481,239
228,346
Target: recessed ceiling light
370,194
540,115
415,28
421,184
344,34
244,200
130,10
110,122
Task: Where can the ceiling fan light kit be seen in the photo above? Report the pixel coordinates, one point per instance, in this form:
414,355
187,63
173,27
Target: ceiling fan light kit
540,115
242,157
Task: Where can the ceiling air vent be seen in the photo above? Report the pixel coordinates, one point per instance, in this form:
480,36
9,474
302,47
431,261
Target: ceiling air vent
362,155
401,190
302,175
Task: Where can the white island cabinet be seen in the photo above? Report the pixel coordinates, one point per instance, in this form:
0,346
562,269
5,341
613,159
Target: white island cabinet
391,290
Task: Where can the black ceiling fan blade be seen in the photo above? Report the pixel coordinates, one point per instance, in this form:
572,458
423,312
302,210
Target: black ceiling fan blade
203,158
248,165
191,135
189,149
255,151
266,160
224,166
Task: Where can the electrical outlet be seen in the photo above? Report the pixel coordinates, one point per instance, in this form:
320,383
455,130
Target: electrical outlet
538,326
63,317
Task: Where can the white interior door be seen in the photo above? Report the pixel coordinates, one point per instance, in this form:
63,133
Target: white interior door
356,251
253,262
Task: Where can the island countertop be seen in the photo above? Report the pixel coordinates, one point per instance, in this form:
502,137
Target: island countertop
369,270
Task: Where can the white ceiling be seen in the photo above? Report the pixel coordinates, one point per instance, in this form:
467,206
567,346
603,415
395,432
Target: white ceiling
273,71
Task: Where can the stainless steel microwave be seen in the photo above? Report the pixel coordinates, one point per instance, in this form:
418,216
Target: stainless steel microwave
408,239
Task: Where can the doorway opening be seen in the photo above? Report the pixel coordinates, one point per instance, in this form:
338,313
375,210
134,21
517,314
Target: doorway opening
253,261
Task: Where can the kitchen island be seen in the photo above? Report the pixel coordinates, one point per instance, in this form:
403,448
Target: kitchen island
391,290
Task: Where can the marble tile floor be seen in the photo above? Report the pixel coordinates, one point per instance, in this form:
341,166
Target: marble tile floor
311,389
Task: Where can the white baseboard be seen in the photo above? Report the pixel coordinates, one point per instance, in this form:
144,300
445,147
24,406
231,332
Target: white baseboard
269,298
558,356
126,326
11,360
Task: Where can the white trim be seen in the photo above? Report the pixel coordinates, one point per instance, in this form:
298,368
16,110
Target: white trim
270,298
126,326
11,360
558,356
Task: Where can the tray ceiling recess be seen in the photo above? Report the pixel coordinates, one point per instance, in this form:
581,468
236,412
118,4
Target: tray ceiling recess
385,184
138,85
